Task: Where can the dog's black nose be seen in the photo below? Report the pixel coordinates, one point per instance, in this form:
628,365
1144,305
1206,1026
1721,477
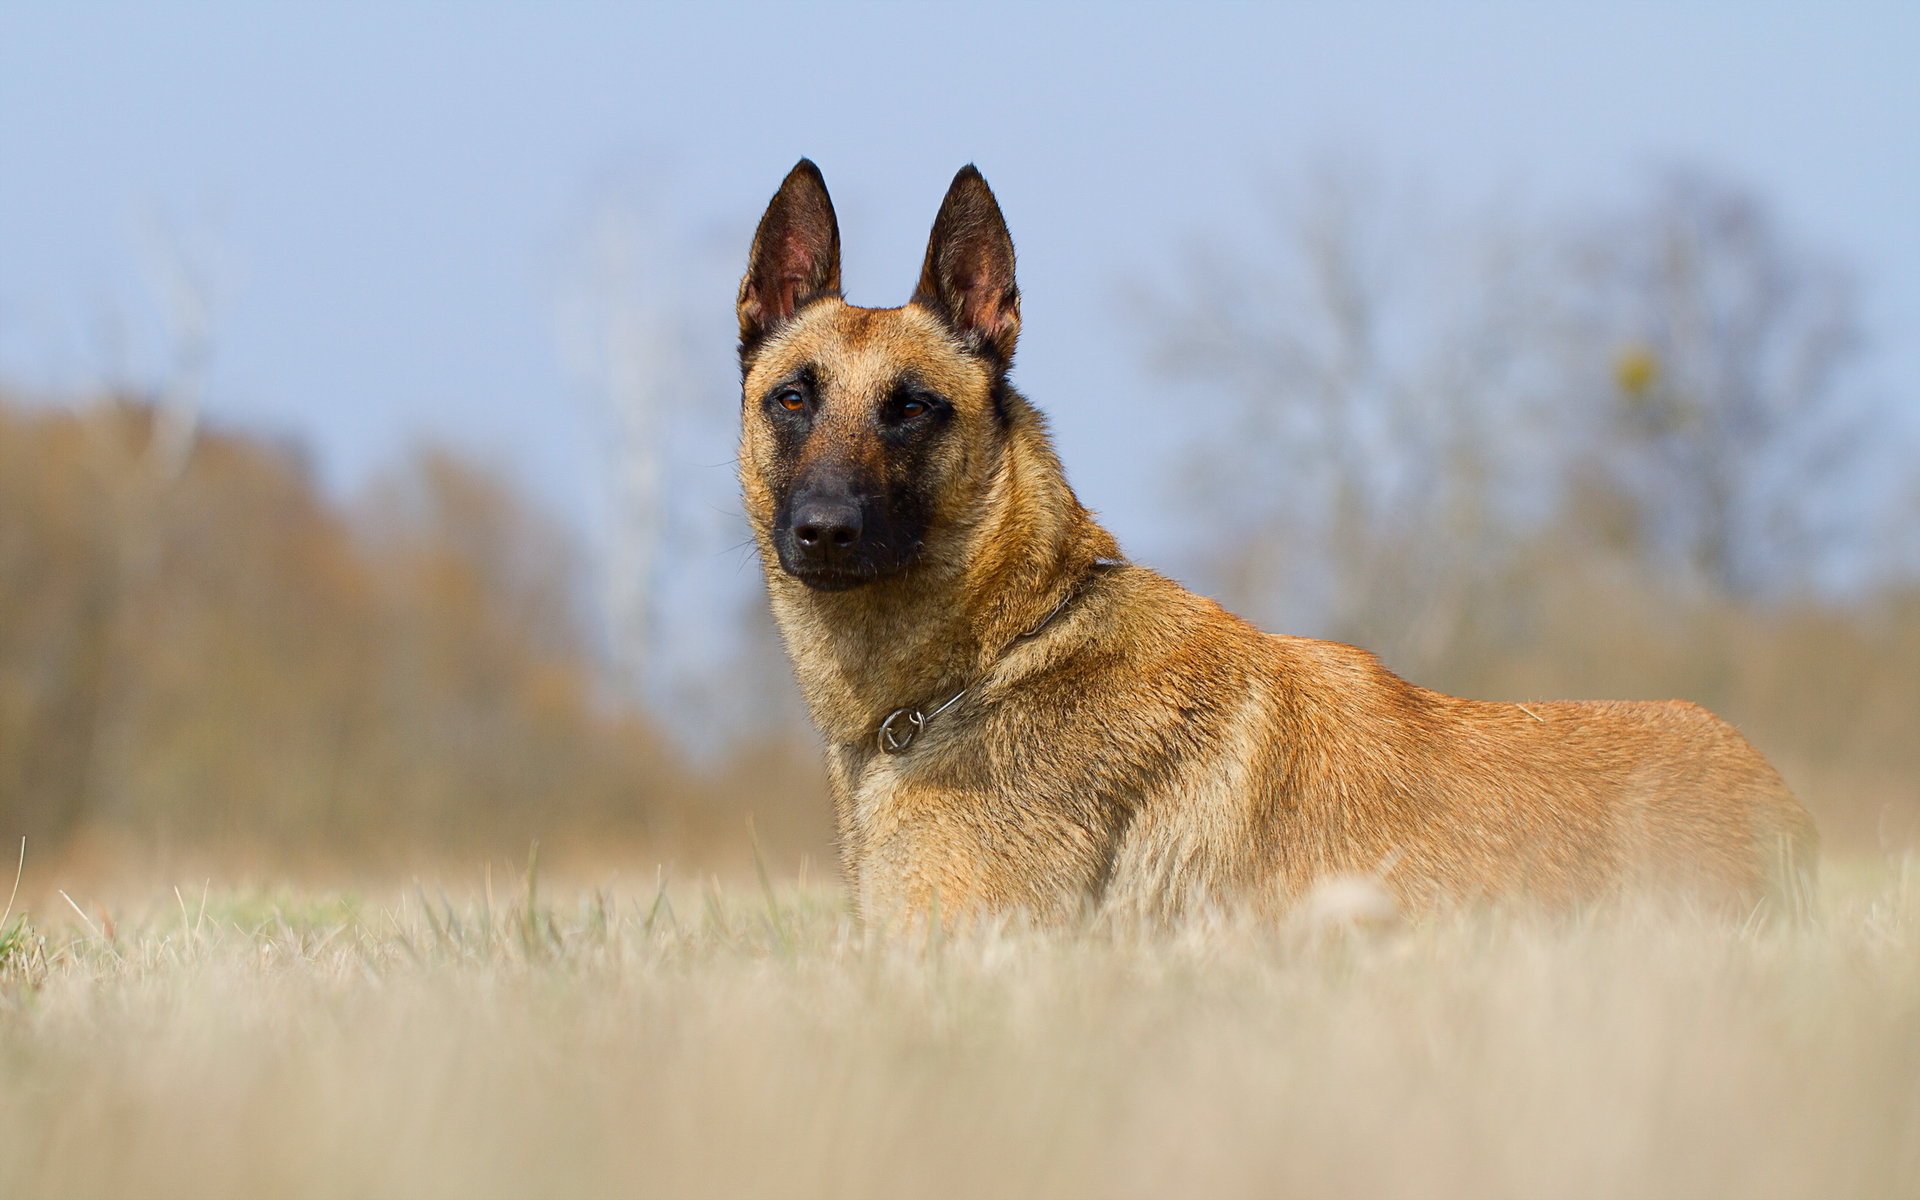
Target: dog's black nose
826,527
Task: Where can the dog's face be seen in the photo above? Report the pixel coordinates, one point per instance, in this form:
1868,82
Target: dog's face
866,433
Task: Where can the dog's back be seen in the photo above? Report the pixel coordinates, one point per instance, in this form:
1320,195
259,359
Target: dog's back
1458,799
1280,761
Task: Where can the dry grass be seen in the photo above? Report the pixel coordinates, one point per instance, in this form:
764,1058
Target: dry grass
747,1042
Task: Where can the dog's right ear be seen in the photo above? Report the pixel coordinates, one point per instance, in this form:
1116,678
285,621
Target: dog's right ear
968,274
795,256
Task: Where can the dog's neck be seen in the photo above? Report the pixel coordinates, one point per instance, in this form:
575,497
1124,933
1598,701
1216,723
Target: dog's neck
915,638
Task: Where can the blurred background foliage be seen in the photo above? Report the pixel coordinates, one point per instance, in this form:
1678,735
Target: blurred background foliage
198,649
1602,454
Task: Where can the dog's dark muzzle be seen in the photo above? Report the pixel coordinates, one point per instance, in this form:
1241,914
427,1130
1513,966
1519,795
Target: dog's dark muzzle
833,538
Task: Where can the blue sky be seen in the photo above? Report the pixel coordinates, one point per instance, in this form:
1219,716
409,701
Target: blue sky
392,195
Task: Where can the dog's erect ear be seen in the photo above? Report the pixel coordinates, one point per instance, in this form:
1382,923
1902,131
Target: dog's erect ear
795,255
968,275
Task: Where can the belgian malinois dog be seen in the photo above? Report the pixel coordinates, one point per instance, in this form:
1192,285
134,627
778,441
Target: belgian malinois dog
1018,720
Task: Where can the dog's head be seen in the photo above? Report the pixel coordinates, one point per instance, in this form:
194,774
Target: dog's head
867,433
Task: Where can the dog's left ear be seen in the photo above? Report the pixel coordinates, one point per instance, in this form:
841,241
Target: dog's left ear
968,274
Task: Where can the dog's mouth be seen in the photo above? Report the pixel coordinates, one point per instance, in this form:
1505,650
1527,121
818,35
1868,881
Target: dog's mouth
834,579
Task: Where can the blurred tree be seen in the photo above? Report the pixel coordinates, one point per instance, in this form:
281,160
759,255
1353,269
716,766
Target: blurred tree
621,331
1413,401
1709,353
1371,417
280,673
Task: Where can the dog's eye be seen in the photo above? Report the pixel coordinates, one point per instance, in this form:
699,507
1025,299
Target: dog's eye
791,400
913,408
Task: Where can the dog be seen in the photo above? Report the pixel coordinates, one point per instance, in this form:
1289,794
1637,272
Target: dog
1018,720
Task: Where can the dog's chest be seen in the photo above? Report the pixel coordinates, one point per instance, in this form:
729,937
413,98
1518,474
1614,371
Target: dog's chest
923,839
871,805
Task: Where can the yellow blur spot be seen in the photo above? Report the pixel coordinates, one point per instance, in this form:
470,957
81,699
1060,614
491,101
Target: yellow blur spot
1636,370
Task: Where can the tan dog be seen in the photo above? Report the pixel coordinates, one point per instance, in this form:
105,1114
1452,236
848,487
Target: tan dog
1016,720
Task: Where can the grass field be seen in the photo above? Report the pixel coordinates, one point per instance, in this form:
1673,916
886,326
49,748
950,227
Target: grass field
748,1042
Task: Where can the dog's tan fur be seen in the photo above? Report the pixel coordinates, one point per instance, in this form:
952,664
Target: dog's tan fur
1148,753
